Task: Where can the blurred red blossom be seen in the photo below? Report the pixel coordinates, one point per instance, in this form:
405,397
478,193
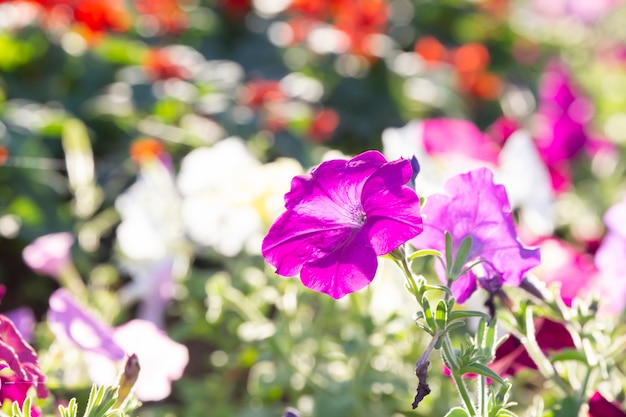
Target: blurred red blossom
90,18
323,125
470,63
357,19
258,92
236,9
168,14
160,64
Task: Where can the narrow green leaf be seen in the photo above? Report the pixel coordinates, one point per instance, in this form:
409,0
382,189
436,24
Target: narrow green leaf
431,287
424,327
454,325
506,413
484,370
26,407
480,334
428,313
461,255
71,410
490,343
569,354
463,314
441,314
448,252
457,412
424,252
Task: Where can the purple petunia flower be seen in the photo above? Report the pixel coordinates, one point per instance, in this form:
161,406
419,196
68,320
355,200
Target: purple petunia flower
162,359
473,206
339,218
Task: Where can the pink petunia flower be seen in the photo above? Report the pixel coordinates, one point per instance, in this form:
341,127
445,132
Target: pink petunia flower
473,206
446,147
560,124
339,218
161,359
610,259
49,254
21,359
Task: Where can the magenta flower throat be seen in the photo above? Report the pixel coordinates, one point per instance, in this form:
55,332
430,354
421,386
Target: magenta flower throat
339,218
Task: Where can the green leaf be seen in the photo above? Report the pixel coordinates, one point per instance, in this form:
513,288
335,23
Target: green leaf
463,314
569,354
441,314
484,370
457,412
428,313
490,342
439,287
480,334
461,255
454,325
506,413
71,410
424,252
448,252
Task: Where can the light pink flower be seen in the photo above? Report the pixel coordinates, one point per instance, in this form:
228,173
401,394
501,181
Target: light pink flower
49,254
161,359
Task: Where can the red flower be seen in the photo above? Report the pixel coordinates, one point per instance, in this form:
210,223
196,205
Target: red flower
324,124
236,9
257,93
159,65
358,19
168,14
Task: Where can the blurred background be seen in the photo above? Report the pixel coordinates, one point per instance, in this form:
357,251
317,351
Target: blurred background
163,134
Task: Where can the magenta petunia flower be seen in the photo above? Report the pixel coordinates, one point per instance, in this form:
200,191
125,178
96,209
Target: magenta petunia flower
23,365
601,407
473,206
339,218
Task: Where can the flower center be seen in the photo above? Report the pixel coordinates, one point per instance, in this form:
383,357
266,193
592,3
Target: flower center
357,215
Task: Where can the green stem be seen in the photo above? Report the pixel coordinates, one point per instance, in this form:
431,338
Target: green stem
458,378
534,351
70,278
583,389
482,396
408,275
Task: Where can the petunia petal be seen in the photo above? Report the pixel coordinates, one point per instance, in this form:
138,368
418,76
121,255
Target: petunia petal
71,322
295,239
446,136
346,270
392,209
463,287
332,189
476,207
